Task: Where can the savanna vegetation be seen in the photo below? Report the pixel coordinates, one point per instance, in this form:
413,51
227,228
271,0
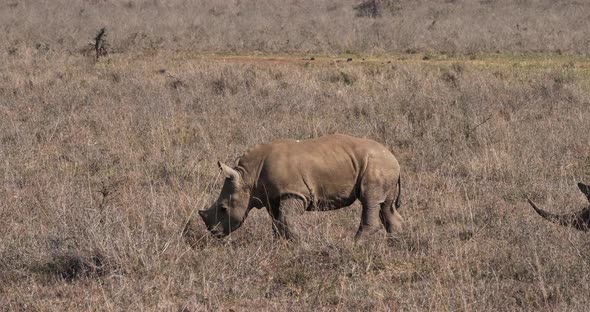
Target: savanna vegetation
109,145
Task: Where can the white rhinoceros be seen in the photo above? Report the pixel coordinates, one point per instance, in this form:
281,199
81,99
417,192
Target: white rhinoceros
324,173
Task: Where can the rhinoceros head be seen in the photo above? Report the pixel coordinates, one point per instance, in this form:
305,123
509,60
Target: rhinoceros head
231,208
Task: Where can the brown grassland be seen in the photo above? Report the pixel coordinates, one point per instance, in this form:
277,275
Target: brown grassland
104,161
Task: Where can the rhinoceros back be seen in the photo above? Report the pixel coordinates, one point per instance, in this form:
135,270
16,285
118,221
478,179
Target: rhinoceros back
328,172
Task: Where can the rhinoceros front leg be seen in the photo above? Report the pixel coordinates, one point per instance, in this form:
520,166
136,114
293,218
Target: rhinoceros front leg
282,218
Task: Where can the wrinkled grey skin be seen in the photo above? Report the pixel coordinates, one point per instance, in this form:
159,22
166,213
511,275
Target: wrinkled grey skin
579,220
325,173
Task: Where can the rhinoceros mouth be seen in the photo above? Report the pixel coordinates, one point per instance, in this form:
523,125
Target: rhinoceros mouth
216,231
218,234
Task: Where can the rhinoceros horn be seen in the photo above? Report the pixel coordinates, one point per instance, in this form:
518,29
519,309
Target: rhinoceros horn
579,220
229,173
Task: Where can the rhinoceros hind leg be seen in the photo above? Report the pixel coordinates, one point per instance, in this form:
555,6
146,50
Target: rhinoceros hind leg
369,221
391,219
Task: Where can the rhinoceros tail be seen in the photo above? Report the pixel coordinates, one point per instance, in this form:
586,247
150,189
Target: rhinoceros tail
399,192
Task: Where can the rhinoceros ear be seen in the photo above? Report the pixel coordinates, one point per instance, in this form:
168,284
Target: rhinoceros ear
229,172
203,215
585,189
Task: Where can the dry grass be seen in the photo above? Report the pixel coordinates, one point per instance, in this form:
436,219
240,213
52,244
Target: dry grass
318,26
104,162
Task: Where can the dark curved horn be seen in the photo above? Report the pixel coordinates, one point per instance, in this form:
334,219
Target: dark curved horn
579,221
